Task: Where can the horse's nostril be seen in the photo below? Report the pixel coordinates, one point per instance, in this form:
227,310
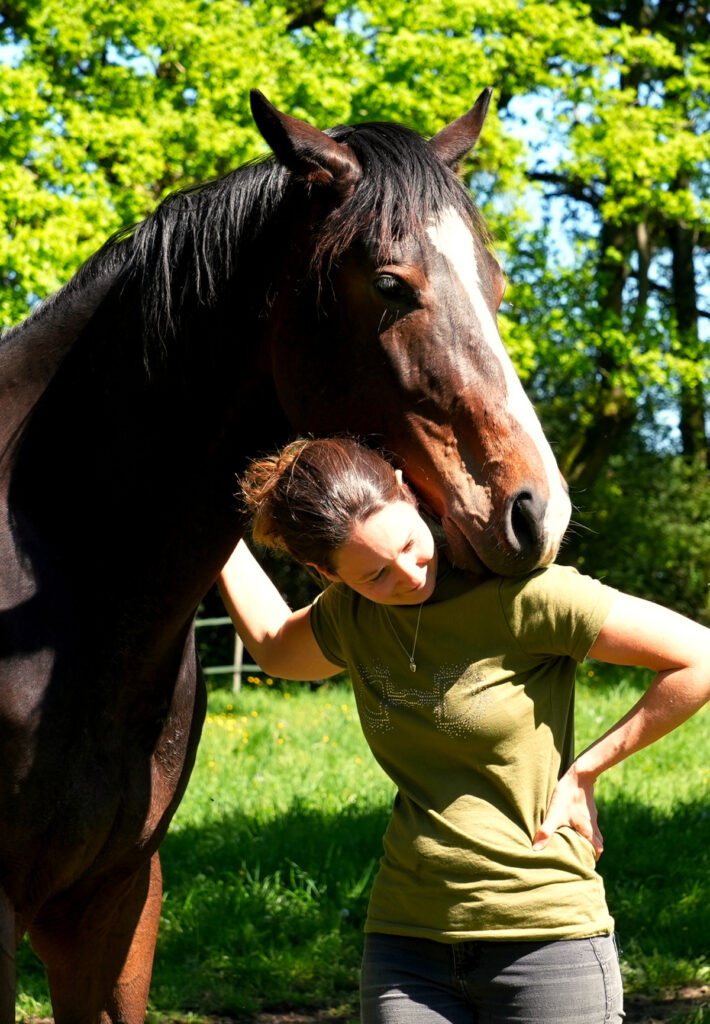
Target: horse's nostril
525,522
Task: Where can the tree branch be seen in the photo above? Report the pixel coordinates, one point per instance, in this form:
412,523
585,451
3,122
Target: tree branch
306,14
575,188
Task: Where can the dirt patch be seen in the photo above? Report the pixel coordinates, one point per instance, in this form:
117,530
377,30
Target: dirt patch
296,1017
657,1009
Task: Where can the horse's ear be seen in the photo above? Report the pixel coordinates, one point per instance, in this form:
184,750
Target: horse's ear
308,152
453,142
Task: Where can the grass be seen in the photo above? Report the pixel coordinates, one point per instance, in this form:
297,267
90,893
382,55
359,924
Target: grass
269,860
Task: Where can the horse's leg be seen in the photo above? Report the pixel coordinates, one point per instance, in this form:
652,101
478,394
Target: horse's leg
99,957
8,942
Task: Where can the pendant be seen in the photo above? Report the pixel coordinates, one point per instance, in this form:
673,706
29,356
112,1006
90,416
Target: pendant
412,666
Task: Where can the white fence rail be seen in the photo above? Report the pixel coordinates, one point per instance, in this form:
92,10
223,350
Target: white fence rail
238,666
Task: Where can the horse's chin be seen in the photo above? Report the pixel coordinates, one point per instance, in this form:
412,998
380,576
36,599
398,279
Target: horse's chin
461,554
465,553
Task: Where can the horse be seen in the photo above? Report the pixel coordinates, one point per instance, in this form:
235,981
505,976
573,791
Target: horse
343,283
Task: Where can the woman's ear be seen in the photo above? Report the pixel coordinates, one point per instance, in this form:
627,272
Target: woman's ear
404,488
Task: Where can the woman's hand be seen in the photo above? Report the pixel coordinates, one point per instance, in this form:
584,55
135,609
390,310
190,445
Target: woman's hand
572,804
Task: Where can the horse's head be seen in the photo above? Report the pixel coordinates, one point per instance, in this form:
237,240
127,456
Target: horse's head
405,347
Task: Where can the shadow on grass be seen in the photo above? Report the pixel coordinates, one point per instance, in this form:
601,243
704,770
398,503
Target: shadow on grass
256,913
279,907
656,868
266,913
262,914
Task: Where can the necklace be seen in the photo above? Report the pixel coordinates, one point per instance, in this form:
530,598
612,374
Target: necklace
412,662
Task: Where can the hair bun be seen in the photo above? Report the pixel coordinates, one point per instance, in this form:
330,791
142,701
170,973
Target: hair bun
306,498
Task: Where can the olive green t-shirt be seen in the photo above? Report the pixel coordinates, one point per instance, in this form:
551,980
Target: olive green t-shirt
475,741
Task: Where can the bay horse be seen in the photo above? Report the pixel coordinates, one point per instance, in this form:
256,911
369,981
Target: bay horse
343,284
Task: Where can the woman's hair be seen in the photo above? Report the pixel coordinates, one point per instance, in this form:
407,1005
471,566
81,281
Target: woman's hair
307,498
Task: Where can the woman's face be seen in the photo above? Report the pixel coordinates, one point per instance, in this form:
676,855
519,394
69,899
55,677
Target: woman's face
390,557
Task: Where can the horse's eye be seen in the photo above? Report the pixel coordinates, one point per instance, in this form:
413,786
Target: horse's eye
394,289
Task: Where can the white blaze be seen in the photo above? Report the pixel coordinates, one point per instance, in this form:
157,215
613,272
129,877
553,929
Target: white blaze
452,237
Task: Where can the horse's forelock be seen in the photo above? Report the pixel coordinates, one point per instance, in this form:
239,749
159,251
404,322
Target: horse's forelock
404,187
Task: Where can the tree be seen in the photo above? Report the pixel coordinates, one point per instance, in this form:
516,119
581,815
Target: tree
637,158
106,108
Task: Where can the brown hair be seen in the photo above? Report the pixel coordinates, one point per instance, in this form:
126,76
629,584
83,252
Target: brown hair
307,498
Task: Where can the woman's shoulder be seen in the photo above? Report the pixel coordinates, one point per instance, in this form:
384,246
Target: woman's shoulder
453,581
555,609
551,580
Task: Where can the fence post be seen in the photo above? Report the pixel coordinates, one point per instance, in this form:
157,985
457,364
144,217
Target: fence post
238,661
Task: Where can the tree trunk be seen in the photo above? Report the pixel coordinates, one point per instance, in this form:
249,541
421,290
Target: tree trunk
614,410
693,430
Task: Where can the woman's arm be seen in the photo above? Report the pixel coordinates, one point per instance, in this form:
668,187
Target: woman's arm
641,633
282,641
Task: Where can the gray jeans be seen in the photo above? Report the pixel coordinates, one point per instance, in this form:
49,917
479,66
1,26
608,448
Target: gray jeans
417,981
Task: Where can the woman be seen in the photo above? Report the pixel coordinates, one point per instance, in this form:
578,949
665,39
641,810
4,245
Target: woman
487,906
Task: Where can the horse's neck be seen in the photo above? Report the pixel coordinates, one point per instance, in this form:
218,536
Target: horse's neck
122,479
31,352
131,477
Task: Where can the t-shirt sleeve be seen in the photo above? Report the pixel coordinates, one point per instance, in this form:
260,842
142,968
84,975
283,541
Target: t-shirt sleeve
555,611
325,616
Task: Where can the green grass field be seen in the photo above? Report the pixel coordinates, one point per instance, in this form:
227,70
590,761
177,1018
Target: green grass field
269,860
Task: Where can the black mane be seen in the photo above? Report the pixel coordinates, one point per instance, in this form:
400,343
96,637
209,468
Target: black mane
403,188
183,256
